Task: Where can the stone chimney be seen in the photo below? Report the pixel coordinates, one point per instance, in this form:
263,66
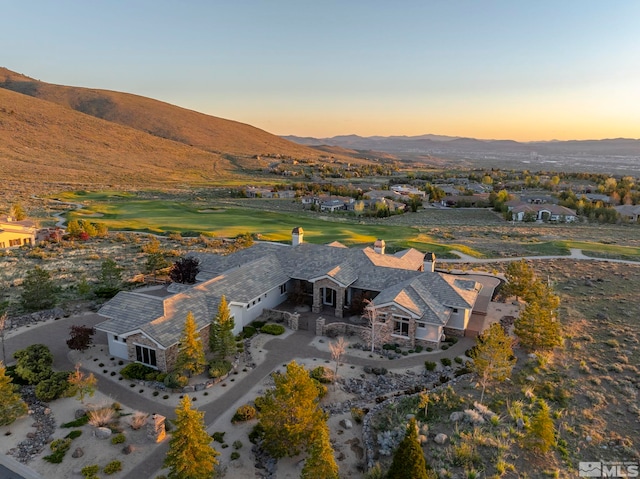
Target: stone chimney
430,262
379,246
297,236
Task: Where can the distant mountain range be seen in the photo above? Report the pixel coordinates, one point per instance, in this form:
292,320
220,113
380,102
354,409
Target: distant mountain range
68,134
452,145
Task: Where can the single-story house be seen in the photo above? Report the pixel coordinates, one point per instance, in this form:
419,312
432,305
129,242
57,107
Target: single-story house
15,233
629,212
423,304
542,212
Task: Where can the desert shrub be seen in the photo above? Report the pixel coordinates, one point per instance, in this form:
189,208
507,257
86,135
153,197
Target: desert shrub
139,371
59,448
219,367
55,387
322,374
235,455
102,416
445,361
256,433
90,472
237,445
81,421
76,433
138,419
244,413
118,439
248,331
378,371
113,467
357,414
176,380
218,436
458,359
258,324
418,349
274,329
444,346
430,365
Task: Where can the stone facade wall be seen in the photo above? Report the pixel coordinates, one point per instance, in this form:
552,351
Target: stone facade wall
318,299
142,340
449,332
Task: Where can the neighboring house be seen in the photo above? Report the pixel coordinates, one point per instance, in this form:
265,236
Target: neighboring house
423,305
597,197
480,200
542,212
16,233
629,212
253,192
407,190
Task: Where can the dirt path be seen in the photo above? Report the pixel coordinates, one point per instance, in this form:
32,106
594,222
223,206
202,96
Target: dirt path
575,254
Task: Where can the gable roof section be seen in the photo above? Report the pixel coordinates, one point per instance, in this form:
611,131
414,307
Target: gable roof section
129,311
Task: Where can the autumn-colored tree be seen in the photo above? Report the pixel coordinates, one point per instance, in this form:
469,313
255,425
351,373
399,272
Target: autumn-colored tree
221,340
11,404
82,384
378,330
520,278
185,270
290,414
17,212
408,459
190,351
541,432
537,326
190,456
337,349
80,337
321,463
492,356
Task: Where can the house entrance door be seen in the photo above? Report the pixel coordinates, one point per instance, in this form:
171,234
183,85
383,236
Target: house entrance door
329,297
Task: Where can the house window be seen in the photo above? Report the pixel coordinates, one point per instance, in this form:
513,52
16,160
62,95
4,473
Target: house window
401,326
146,355
422,325
283,288
455,310
115,338
14,242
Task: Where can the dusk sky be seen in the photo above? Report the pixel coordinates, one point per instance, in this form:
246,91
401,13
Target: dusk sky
523,70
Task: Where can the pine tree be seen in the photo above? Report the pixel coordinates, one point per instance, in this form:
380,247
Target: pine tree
11,404
190,352
290,414
520,277
493,357
39,290
321,463
537,327
408,460
190,456
221,340
541,434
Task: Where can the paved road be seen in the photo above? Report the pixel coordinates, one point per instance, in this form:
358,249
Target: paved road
575,253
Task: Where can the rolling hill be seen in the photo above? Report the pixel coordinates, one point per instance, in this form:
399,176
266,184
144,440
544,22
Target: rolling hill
81,134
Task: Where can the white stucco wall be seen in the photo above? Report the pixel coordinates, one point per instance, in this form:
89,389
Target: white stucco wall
430,332
459,320
244,315
117,348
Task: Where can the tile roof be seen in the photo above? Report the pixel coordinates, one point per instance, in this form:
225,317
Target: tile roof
245,275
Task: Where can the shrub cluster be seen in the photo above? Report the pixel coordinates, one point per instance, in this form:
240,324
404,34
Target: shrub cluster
248,331
218,368
244,413
175,380
55,387
430,365
59,448
113,467
141,372
274,329
322,374
378,371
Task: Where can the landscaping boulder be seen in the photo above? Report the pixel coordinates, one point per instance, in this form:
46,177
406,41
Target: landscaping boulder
346,423
440,438
456,416
79,452
102,433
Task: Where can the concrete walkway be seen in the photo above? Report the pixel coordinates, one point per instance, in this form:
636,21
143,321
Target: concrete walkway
575,253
